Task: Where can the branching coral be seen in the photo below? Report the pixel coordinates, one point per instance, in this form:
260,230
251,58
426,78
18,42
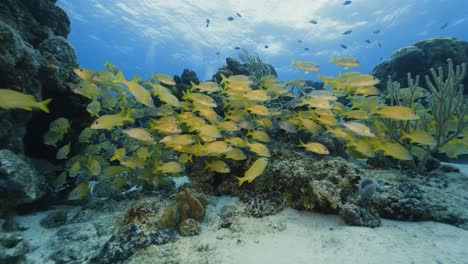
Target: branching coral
443,116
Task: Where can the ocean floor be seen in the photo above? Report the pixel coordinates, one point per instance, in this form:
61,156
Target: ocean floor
290,236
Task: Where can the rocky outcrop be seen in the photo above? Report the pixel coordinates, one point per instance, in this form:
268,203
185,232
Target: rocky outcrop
19,181
419,58
35,58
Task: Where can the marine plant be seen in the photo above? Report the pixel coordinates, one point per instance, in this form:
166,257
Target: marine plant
441,119
256,67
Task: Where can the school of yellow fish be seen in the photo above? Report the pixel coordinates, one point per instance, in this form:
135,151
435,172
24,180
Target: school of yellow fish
142,131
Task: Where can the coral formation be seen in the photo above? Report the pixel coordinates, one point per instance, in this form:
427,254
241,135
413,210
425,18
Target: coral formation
186,205
35,58
420,57
19,182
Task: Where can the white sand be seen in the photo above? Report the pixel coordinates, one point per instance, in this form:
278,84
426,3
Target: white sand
302,237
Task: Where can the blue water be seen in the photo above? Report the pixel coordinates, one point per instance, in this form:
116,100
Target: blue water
144,36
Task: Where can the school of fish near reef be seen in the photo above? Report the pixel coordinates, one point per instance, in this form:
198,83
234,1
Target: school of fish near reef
142,131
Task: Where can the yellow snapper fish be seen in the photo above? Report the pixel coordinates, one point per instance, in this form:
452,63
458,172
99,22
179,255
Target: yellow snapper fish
143,153
418,93
257,96
140,134
209,130
87,89
339,132
199,98
103,77
85,135
327,120
420,137
363,146
353,79
75,169
260,110
455,147
111,67
259,135
235,154
287,126
315,102
257,169
228,126
322,94
206,87
141,94
94,167
365,90
119,154
297,82
356,114
359,129
60,125
347,62
166,128
171,167
306,66
236,82
218,166
178,140
216,147
94,108
237,142
309,125
169,98
369,104
259,149
62,153
80,191
164,78
397,112
393,150
10,99
84,74
108,122
315,147
263,122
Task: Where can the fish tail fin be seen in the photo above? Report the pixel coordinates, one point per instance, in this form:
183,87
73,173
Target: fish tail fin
223,78
241,180
293,61
404,135
119,77
332,59
43,105
128,116
193,86
301,143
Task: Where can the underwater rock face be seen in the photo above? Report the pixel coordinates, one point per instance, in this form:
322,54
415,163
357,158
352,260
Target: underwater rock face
419,58
12,247
234,67
19,181
35,58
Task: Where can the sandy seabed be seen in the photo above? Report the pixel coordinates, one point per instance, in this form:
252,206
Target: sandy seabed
293,236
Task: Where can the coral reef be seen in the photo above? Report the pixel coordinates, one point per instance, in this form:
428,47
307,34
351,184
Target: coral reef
12,247
35,58
19,182
185,206
420,57
252,66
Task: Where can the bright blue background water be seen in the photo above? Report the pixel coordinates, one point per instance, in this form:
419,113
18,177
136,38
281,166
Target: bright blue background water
145,36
